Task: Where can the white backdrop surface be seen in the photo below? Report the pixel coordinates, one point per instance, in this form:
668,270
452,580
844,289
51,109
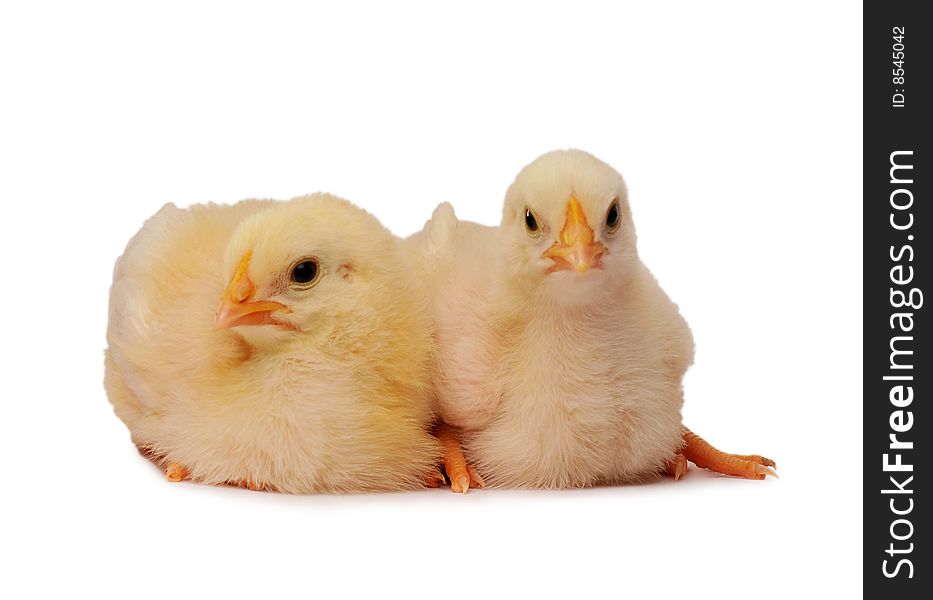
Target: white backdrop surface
738,128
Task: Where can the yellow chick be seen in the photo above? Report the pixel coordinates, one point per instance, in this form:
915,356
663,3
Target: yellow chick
560,358
272,345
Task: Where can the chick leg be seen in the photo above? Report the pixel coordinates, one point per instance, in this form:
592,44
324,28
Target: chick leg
677,467
705,456
461,475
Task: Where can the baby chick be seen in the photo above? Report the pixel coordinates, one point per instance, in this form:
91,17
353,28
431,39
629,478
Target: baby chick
273,345
560,358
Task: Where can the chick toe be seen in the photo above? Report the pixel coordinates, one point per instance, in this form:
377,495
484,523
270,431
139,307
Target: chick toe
175,472
459,473
755,458
475,479
435,479
677,467
251,485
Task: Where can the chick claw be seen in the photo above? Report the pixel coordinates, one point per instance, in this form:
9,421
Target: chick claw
705,456
677,467
461,475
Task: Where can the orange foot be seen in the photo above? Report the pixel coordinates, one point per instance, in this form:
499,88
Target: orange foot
251,485
175,472
705,456
677,467
460,474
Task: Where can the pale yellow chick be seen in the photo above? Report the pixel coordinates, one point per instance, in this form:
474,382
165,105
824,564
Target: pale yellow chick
273,345
560,358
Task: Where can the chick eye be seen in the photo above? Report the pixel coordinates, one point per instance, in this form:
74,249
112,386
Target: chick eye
531,223
613,217
305,273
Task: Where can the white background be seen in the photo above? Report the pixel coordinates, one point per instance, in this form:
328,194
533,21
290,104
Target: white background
738,128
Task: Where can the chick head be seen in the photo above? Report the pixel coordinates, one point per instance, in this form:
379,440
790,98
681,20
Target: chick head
297,267
567,226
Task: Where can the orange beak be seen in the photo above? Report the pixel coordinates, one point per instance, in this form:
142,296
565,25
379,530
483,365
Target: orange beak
576,248
238,307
